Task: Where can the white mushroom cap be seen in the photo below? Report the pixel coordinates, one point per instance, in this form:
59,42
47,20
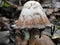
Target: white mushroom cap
32,16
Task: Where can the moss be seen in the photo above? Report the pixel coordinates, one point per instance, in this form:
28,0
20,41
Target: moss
58,27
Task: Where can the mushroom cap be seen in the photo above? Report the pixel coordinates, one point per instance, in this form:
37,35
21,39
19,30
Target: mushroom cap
32,16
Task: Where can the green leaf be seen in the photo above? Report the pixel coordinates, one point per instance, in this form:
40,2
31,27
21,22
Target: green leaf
6,4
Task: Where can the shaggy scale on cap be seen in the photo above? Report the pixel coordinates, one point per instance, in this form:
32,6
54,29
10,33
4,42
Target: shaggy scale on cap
32,16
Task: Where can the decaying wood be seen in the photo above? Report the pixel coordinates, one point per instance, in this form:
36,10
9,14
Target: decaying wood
44,40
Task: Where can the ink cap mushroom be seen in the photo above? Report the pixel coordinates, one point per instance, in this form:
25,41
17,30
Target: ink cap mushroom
32,16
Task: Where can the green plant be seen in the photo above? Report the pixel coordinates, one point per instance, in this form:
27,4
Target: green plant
58,27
